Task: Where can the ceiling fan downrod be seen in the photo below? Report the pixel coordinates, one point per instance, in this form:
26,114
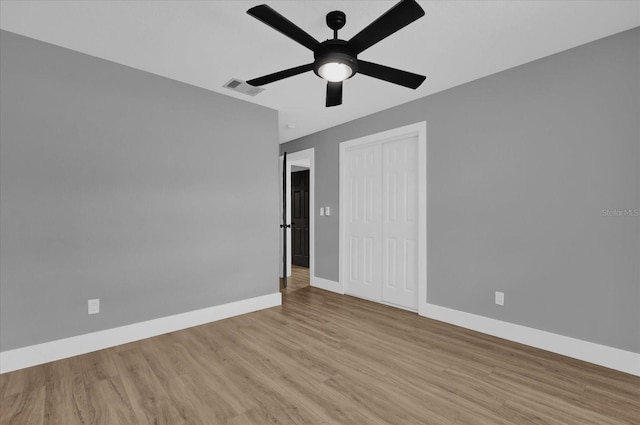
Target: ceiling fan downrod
335,21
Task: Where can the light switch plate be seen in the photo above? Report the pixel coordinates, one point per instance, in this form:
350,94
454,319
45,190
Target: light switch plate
499,298
327,211
322,211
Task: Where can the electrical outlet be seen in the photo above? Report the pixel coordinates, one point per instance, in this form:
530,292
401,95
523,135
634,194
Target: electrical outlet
499,298
327,211
94,306
321,211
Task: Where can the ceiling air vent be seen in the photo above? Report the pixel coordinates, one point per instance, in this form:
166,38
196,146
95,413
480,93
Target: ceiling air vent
242,87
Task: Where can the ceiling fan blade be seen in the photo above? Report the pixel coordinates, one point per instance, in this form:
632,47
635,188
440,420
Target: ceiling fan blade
392,75
261,81
334,94
396,18
279,23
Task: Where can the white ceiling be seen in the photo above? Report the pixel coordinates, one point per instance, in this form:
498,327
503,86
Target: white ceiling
205,43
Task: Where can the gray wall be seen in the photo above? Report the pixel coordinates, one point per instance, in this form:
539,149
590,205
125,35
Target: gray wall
152,195
521,165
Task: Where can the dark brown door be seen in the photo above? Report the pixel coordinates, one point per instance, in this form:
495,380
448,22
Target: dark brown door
300,218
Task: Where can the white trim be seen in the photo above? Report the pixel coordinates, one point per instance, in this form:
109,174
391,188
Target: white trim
327,285
613,358
422,213
419,129
304,158
33,355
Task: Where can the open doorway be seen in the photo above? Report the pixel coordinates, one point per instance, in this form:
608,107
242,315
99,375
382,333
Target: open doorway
299,216
299,183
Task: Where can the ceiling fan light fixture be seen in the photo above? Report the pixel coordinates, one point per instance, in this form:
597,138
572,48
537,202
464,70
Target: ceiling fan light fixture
335,66
335,71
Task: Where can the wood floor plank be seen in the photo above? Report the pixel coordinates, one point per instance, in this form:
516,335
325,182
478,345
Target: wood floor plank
319,359
97,366
554,407
145,392
445,400
110,403
299,279
24,380
4,382
209,363
66,398
23,408
272,404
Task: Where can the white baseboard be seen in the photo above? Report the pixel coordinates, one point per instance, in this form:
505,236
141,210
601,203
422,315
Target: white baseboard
327,285
613,358
33,355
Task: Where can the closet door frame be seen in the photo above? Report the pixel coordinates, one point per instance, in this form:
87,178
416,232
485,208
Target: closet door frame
420,130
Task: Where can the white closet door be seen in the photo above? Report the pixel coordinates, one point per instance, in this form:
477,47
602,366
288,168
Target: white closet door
383,216
400,222
363,222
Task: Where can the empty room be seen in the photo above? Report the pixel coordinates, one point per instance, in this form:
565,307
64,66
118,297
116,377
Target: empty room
319,212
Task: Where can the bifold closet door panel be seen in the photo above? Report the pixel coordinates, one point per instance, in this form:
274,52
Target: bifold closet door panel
363,222
399,256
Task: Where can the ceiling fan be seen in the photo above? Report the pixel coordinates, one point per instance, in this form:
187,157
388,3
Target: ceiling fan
336,60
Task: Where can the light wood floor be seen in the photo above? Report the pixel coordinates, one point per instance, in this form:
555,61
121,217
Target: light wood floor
299,279
320,358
